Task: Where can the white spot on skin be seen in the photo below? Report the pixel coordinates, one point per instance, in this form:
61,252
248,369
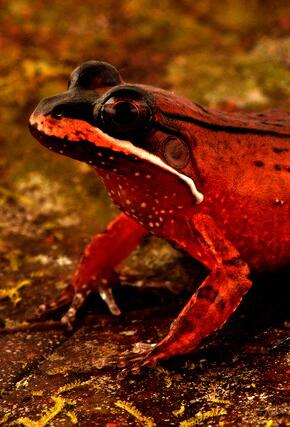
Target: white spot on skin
151,224
148,176
128,202
137,173
143,205
157,224
279,202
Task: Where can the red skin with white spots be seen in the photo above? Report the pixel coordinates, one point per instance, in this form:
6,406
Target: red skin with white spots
239,165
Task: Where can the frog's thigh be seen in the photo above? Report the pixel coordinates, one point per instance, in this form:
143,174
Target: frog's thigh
215,299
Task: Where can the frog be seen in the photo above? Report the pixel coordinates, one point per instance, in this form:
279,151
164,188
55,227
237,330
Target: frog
213,183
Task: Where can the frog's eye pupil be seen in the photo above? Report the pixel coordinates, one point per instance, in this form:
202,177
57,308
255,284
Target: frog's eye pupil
119,116
123,112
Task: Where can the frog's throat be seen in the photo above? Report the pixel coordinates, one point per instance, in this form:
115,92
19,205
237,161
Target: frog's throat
77,130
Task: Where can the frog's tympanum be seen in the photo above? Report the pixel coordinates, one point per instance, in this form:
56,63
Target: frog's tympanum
214,184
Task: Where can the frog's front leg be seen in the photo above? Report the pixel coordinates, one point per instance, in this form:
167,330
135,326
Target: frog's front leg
215,299
96,268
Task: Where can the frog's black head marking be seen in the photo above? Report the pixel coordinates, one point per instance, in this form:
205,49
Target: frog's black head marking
92,75
123,111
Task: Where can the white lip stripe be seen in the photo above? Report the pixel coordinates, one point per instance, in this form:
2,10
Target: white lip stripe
151,158
101,139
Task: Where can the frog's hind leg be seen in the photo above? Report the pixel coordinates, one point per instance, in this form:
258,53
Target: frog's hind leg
96,268
213,302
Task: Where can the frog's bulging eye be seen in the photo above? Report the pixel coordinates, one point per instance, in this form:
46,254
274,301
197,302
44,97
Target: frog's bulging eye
175,152
121,112
124,116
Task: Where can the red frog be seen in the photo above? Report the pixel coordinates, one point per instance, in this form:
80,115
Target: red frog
215,184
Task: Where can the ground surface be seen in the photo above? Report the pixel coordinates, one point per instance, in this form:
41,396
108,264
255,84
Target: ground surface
236,57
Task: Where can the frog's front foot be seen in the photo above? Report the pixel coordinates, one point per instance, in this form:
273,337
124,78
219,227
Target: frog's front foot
75,297
62,300
80,297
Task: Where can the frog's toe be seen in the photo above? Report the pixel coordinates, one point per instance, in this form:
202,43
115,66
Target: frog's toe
136,359
77,301
64,299
107,296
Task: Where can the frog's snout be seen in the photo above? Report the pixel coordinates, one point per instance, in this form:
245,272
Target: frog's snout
35,115
45,107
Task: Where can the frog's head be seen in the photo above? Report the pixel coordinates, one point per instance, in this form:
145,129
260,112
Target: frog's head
118,128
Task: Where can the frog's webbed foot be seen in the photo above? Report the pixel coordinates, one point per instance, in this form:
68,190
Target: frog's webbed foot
129,361
135,360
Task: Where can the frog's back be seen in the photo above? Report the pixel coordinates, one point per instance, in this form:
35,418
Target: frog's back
270,122
275,122
245,160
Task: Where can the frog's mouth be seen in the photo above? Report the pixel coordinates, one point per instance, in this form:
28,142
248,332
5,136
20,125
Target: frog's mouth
80,140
